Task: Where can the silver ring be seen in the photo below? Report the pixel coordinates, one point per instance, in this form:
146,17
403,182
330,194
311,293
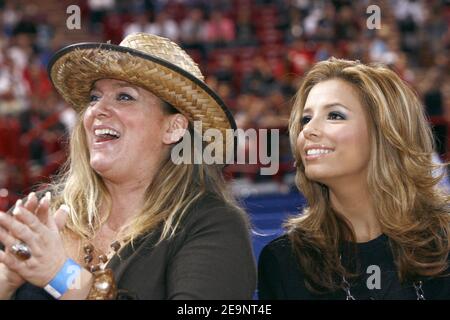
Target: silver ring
21,251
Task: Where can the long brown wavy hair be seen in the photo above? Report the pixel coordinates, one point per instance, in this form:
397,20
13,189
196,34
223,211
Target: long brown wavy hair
412,211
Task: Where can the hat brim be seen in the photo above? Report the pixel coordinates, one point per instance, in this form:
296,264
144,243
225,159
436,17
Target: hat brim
74,69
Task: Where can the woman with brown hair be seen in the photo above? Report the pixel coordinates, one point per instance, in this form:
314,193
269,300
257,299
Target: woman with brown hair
140,223
376,225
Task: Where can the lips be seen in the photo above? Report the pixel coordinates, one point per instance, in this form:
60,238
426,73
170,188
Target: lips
99,139
105,134
313,152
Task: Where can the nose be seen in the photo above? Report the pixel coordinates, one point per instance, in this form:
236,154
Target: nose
311,130
101,108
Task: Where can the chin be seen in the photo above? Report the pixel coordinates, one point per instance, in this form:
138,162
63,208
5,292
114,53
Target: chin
100,166
319,176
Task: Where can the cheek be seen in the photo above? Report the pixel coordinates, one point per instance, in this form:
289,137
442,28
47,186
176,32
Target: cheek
300,144
87,121
87,117
356,140
147,133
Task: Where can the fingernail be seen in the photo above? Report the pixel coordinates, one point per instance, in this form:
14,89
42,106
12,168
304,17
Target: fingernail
31,195
16,209
65,208
46,197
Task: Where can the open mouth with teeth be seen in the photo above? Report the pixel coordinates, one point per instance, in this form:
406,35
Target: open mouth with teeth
317,153
311,152
102,135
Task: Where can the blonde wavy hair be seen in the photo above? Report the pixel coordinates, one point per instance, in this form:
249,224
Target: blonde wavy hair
167,198
413,212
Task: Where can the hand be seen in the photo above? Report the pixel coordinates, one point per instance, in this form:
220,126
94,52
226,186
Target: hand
41,234
9,279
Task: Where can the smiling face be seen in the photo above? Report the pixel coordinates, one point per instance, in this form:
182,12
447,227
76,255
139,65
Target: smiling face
124,127
334,141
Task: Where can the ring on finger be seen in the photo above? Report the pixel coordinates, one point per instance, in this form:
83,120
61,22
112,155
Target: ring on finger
21,251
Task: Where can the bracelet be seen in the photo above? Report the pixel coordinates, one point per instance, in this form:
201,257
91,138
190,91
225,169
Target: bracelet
64,279
103,286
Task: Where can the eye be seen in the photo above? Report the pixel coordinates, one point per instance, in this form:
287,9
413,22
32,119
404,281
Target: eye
305,120
125,97
336,116
93,98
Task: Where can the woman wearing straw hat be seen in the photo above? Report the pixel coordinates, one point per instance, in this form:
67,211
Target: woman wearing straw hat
138,225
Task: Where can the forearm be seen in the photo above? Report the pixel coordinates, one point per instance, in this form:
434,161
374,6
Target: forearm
80,288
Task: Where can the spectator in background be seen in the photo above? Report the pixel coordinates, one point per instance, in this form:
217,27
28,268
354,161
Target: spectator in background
226,92
4,192
381,47
432,97
113,25
245,29
326,25
260,80
141,23
224,70
22,44
164,26
220,30
409,9
98,9
294,29
443,172
36,79
10,16
13,89
347,25
435,29
324,51
299,57
192,30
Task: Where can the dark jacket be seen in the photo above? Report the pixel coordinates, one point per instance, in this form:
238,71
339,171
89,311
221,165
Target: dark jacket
210,257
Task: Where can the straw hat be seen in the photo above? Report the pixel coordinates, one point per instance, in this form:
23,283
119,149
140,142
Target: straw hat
149,61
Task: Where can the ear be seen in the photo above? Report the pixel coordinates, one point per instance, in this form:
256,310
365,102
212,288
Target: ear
177,126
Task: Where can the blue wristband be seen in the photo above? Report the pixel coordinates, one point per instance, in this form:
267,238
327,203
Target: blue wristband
64,279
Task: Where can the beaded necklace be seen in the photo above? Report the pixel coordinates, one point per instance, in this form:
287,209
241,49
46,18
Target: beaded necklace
102,258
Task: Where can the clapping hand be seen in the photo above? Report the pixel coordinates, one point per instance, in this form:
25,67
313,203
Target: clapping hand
34,250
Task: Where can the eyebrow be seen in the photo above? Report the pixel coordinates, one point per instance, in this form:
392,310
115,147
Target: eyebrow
125,84
328,106
119,85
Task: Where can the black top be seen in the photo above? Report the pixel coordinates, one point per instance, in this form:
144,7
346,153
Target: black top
210,257
280,276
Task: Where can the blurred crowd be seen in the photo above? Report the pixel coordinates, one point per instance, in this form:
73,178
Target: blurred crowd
253,53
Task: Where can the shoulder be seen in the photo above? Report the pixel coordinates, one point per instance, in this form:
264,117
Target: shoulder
210,210
278,254
279,247
211,219
279,273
